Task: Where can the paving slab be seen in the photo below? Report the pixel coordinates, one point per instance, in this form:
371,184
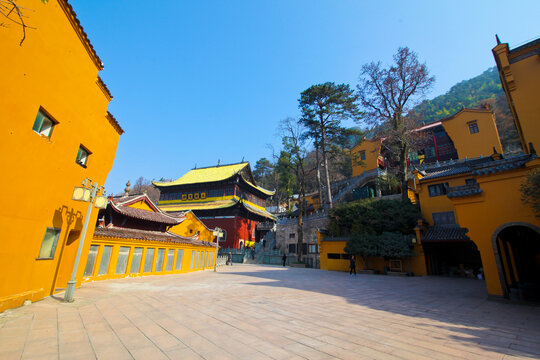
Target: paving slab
270,312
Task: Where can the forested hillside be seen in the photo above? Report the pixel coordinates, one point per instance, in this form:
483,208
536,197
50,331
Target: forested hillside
484,89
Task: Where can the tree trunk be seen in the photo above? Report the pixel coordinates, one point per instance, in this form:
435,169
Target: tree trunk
301,197
403,171
319,189
325,164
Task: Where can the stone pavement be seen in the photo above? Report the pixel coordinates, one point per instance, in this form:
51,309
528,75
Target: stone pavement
263,312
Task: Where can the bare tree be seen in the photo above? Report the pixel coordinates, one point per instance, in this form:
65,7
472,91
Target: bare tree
15,13
387,95
144,186
294,144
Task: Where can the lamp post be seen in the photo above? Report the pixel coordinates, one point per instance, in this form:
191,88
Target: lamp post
92,193
217,233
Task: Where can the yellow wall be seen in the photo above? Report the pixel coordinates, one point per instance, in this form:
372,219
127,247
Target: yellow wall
52,69
498,204
477,144
520,77
207,262
416,264
372,150
190,226
441,203
141,205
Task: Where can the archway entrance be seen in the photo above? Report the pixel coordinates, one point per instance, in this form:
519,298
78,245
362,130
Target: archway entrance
519,261
453,258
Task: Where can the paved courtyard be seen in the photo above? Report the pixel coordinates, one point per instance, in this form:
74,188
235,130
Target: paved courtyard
263,312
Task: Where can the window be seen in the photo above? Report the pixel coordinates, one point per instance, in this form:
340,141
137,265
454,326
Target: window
82,156
304,249
291,236
136,260
313,249
193,254
470,182
333,256
91,260
170,259
292,248
444,218
159,259
473,127
149,260
48,245
105,258
437,189
43,124
179,256
121,264
362,155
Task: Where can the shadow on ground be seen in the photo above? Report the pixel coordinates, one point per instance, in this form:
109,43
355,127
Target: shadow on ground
458,305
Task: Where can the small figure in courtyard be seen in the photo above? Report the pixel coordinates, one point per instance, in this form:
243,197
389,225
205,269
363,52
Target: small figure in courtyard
352,266
229,258
284,258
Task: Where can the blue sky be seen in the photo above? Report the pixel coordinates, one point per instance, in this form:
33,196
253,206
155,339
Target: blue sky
198,81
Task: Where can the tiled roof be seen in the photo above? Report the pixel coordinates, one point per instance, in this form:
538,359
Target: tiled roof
213,174
121,206
505,164
258,211
479,166
465,190
207,174
445,233
76,24
147,235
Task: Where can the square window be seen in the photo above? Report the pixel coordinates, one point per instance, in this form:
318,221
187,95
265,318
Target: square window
362,155
48,245
437,189
470,181
473,127
444,218
43,124
82,156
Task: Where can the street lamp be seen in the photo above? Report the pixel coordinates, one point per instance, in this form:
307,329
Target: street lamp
218,233
92,193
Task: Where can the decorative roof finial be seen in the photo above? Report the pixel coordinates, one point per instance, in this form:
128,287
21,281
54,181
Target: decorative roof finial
242,159
218,162
498,40
532,151
127,189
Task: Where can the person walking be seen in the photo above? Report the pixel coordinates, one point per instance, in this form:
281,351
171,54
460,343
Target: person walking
229,258
352,266
284,258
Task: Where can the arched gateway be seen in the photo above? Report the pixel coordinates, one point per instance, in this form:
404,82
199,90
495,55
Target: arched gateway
517,253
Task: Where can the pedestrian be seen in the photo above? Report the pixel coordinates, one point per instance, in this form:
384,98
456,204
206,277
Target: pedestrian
229,259
352,266
284,258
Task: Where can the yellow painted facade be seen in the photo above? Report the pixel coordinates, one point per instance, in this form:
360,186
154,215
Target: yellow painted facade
54,71
192,225
470,145
365,155
415,264
157,258
519,71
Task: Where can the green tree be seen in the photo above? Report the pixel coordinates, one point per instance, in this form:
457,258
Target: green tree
323,107
363,245
387,95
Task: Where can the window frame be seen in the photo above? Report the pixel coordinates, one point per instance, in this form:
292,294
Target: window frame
84,164
363,155
473,127
54,245
443,189
38,123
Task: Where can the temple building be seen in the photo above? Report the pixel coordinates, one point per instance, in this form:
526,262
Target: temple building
134,238
223,196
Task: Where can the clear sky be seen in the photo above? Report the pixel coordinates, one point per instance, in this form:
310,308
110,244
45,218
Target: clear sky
197,81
